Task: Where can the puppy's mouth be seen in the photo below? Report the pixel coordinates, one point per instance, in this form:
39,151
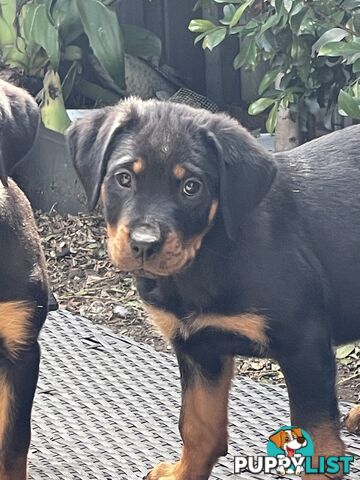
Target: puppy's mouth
174,256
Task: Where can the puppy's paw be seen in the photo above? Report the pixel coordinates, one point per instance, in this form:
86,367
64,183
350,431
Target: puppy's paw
164,471
352,420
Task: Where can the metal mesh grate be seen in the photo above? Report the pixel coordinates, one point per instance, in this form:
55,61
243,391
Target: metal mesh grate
107,408
193,99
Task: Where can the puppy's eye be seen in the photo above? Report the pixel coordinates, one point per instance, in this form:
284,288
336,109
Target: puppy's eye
124,179
192,187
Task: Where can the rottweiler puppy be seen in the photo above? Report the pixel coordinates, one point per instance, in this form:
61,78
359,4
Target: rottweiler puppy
235,252
23,285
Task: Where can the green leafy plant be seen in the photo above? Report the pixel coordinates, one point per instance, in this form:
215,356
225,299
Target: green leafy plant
312,49
76,46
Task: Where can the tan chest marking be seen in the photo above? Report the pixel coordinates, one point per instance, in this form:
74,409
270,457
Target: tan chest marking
249,325
15,327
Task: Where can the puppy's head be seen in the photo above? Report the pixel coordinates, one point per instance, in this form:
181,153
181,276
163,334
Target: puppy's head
289,440
19,121
166,172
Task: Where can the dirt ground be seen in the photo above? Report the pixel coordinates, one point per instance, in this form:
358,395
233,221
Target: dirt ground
84,282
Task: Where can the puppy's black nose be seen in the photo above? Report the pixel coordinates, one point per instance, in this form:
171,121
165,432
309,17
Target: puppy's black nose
301,440
145,241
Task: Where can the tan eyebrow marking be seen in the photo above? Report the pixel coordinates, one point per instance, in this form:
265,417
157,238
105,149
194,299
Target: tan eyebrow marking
179,172
138,166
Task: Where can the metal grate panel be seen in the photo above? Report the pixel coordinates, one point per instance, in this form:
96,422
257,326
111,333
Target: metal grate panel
107,408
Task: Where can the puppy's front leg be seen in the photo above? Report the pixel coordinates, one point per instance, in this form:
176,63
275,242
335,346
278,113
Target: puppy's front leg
203,419
309,368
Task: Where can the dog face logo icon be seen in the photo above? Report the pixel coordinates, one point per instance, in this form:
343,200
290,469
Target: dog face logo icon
289,441
292,443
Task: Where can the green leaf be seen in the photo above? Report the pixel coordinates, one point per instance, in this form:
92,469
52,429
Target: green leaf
339,49
39,29
271,121
199,25
350,4
214,38
7,19
105,37
260,105
140,42
66,17
288,5
247,53
239,12
333,35
200,37
70,79
348,105
96,93
267,80
356,66
298,20
228,11
345,351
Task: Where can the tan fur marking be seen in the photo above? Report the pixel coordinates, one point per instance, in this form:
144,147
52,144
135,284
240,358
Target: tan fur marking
165,322
213,210
15,330
6,401
102,194
352,420
179,172
138,166
204,429
249,325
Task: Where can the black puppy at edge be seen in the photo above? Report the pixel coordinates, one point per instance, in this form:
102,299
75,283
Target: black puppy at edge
23,286
235,251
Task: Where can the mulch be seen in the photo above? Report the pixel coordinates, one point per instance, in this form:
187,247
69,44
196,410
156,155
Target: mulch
84,282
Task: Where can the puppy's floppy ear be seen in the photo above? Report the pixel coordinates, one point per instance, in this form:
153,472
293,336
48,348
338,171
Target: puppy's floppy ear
278,438
247,171
19,122
298,432
89,140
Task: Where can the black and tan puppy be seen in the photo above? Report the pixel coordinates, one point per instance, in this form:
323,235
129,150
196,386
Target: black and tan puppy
23,286
235,252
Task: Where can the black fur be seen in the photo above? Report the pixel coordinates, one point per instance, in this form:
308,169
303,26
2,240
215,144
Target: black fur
284,243
23,275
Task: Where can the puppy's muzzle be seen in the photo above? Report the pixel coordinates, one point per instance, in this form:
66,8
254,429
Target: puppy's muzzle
145,241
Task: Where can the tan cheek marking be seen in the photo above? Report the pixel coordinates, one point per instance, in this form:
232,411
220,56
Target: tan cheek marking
15,331
118,243
102,194
179,172
213,210
249,325
138,166
164,321
6,402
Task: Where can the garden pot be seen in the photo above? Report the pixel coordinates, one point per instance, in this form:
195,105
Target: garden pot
48,178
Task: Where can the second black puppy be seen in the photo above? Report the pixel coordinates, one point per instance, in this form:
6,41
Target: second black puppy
23,285
235,252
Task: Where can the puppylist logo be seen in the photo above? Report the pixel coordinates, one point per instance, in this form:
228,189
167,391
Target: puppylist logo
290,450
